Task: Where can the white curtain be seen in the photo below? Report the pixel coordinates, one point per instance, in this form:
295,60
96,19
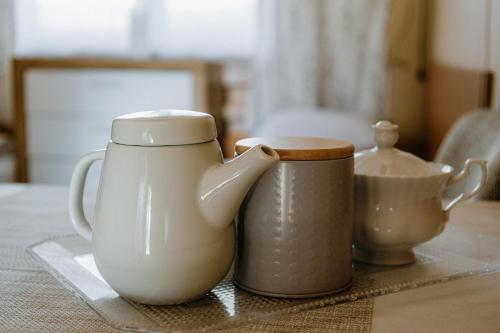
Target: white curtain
6,49
319,54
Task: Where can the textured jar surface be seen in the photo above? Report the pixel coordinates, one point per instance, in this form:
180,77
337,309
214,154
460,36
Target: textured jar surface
295,229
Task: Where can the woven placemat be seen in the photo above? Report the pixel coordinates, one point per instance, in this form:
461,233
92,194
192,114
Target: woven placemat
346,317
32,300
453,255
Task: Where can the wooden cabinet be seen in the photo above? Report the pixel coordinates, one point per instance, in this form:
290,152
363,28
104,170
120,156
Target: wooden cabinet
64,108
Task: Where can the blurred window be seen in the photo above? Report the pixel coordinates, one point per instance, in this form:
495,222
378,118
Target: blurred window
176,28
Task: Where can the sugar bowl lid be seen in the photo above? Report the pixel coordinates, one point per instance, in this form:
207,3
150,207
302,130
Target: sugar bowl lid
300,148
163,128
385,160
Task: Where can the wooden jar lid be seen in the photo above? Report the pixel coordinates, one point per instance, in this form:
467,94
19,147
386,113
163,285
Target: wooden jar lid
300,148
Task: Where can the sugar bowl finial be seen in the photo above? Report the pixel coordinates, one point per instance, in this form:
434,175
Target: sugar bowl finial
385,134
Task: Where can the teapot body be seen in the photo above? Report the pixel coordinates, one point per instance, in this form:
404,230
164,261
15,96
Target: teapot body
151,241
394,214
163,231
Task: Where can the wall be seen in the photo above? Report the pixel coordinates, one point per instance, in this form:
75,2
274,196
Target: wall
466,34
459,33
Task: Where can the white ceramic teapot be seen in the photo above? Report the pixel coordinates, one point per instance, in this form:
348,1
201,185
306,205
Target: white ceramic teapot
398,199
163,230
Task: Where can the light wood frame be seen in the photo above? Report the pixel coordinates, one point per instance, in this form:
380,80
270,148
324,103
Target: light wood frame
209,91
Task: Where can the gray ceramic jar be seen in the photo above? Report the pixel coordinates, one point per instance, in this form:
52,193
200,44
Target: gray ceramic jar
294,227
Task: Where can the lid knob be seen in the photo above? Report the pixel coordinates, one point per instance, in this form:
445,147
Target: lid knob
385,134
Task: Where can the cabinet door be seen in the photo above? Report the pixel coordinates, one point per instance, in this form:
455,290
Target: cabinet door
69,111
91,93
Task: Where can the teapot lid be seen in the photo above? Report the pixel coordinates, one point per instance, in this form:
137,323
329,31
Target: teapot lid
300,148
385,160
163,128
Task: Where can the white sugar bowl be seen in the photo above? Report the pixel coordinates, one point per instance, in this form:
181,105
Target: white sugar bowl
398,199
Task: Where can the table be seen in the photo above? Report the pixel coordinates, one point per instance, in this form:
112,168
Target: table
31,300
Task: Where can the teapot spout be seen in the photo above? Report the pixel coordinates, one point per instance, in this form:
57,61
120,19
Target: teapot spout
223,187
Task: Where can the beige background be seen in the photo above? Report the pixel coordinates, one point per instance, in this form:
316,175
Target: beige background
466,33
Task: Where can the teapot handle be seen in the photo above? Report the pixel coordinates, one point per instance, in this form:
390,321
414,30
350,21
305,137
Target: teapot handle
76,214
462,175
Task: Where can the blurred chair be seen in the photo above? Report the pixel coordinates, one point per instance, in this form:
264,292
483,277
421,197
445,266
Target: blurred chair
475,135
320,123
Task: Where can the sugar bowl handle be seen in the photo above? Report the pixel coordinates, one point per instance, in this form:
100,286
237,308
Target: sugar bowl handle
464,174
76,214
